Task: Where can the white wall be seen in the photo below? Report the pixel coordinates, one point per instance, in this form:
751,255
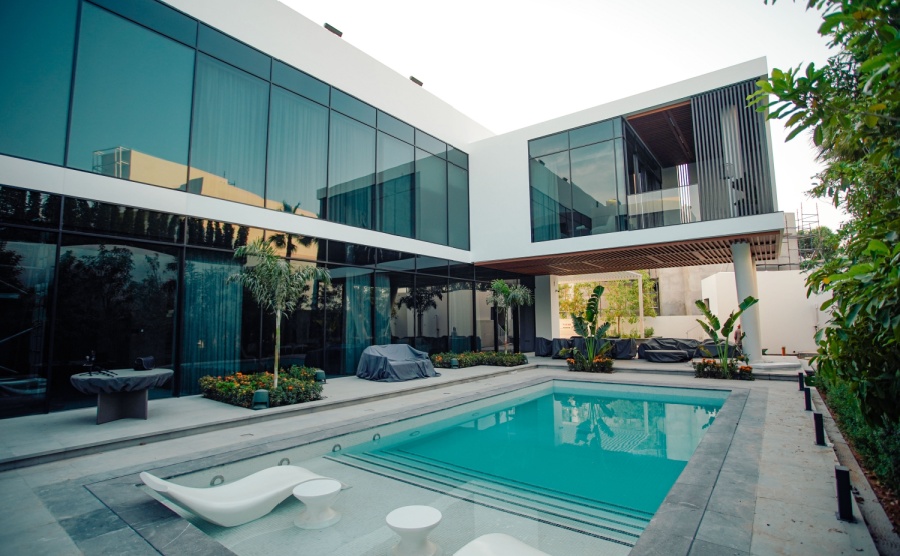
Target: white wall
789,319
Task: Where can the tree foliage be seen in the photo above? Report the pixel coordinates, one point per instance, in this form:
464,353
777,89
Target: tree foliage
587,325
275,283
507,298
623,301
851,106
817,245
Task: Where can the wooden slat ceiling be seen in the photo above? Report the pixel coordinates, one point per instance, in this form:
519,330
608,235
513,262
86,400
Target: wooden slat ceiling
668,133
764,246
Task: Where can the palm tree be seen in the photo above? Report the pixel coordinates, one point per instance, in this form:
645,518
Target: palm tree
275,283
507,297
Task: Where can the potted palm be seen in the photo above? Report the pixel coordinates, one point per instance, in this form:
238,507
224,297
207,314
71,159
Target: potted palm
507,298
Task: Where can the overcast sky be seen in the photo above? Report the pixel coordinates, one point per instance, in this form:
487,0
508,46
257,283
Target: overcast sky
508,64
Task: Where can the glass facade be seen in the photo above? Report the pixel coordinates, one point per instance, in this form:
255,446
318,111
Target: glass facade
79,276
141,92
701,159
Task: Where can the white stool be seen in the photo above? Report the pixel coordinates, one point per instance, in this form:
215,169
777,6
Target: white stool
413,523
317,495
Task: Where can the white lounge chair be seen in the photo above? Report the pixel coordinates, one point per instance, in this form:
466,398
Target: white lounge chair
236,503
498,544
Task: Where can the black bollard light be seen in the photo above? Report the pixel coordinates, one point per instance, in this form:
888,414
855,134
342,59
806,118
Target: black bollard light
845,508
808,396
802,384
820,429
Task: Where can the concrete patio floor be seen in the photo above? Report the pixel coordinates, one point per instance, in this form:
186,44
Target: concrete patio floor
773,493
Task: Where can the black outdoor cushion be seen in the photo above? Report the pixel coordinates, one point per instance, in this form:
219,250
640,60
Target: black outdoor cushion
667,355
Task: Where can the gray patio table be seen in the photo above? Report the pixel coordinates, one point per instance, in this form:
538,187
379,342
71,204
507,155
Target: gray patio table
122,392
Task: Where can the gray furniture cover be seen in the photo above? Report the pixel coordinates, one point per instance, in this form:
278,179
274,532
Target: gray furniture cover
667,355
394,363
120,380
622,348
543,347
666,344
708,348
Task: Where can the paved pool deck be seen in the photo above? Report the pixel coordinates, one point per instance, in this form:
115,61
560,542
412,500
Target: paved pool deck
763,488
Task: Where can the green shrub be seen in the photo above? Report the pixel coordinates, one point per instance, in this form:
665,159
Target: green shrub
295,385
879,447
475,358
712,368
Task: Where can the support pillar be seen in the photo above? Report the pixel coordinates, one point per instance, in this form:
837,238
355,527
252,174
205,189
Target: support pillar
745,281
546,307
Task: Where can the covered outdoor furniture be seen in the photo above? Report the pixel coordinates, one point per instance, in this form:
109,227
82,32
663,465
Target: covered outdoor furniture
708,348
122,392
498,544
578,343
667,355
543,347
394,363
667,344
239,502
559,344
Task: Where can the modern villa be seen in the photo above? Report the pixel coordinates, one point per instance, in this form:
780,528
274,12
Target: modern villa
141,142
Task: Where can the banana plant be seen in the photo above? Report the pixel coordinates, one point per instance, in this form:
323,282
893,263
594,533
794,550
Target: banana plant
587,326
713,328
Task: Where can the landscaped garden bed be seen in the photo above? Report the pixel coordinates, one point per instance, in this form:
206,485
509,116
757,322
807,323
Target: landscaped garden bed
295,385
475,358
712,368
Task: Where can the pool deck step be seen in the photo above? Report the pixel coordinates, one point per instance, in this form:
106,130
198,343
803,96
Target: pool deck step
623,526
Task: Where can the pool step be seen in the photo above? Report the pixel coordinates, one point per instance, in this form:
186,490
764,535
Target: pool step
613,523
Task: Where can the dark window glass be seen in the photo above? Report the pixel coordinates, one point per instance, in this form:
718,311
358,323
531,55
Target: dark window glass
349,106
430,144
349,312
117,299
594,187
220,331
431,265
593,133
458,157
463,271
429,304
157,16
298,155
395,189
37,40
26,274
351,172
460,301
617,127
395,127
221,235
21,206
105,218
228,141
547,145
294,246
130,120
551,197
395,260
488,275
485,315
431,198
299,82
350,253
234,52
458,206
397,311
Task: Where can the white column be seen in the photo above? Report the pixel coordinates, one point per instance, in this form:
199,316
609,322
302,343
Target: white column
745,281
546,307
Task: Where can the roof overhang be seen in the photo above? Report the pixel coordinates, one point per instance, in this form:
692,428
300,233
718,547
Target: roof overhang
693,244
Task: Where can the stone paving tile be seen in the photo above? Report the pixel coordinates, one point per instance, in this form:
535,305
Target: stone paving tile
704,548
122,541
726,530
92,524
48,539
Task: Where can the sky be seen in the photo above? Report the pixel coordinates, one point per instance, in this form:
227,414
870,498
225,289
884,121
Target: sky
508,64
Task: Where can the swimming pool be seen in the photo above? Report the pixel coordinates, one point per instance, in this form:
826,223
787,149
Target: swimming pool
571,468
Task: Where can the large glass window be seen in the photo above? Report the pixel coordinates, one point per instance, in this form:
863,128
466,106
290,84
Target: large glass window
132,103
551,197
594,189
429,304
458,206
298,155
396,196
459,302
351,172
228,140
431,198
27,263
37,39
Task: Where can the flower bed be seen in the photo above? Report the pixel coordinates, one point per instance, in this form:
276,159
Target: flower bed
295,385
712,368
475,358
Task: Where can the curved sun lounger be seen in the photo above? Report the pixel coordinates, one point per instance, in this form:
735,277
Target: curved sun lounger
498,544
236,503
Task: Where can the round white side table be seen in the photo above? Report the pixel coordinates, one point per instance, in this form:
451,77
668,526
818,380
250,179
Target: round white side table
413,523
317,495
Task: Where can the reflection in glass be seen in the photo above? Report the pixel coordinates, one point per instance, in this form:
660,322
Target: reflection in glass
97,217
485,331
431,198
228,140
395,190
429,303
36,70
594,193
223,235
117,299
458,206
551,197
298,154
402,309
459,303
33,208
27,263
130,119
351,172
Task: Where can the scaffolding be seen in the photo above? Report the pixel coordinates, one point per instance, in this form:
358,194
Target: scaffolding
809,235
